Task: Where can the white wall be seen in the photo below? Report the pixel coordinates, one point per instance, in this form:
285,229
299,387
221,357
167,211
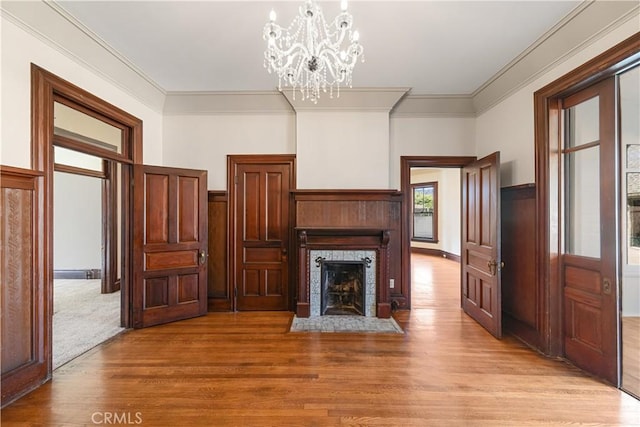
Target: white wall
343,150
204,141
77,225
508,126
448,207
19,49
428,136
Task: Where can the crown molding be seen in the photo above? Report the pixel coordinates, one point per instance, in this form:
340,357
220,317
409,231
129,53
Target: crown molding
588,22
245,102
425,106
349,99
50,23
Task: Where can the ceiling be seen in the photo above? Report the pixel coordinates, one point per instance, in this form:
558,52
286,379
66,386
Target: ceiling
433,47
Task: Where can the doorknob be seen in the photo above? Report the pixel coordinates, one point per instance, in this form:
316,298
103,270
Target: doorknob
202,257
494,267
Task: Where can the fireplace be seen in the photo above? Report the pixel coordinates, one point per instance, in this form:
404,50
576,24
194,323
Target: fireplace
342,289
342,283
342,272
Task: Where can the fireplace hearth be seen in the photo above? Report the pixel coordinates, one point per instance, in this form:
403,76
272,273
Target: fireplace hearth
343,287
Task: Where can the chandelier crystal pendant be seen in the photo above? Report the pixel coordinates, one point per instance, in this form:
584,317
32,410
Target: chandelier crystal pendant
312,55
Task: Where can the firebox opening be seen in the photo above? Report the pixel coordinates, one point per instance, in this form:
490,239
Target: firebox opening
343,288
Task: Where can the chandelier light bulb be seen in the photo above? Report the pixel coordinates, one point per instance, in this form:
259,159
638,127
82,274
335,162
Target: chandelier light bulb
312,55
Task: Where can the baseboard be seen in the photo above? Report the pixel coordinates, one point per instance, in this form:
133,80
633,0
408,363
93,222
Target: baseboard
77,274
218,304
436,252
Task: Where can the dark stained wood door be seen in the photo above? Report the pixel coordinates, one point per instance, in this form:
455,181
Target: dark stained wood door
481,258
260,206
588,262
169,244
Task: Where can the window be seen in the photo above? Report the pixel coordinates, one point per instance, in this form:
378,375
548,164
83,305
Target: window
425,212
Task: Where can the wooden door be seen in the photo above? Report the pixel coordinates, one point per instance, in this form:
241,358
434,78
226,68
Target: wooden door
169,244
260,203
481,263
588,262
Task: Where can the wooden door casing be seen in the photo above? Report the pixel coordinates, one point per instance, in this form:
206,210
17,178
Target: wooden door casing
589,306
481,262
170,244
260,212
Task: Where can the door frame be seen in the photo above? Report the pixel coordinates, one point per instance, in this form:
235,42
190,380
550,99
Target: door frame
233,160
406,163
547,141
45,88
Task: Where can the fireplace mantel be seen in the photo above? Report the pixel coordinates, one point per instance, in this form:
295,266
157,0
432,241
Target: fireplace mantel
343,238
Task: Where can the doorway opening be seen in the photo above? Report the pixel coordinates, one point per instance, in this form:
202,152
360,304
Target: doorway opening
432,187
86,278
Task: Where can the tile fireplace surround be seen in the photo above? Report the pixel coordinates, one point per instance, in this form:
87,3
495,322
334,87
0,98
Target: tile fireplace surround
342,244
315,278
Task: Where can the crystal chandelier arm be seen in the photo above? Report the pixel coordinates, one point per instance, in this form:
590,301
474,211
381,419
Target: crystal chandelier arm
341,68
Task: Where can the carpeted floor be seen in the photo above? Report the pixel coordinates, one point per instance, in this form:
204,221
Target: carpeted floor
344,324
82,318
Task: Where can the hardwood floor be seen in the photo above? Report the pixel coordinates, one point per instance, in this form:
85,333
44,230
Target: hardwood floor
631,354
245,369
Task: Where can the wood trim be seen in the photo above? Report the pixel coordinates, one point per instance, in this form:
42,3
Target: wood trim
72,144
435,252
217,196
406,163
45,87
78,137
345,195
12,171
580,147
110,228
547,107
58,167
218,289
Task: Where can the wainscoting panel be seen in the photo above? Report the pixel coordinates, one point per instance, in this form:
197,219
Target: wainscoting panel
521,298
24,296
219,294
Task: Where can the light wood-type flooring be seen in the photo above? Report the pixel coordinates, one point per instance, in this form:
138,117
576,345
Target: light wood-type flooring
631,354
245,369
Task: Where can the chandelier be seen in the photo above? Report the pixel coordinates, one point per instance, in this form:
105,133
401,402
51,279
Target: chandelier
311,55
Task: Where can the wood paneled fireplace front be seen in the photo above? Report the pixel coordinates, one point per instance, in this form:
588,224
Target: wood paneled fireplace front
362,253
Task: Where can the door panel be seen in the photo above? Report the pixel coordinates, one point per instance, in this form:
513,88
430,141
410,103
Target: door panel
589,272
260,204
481,264
170,244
